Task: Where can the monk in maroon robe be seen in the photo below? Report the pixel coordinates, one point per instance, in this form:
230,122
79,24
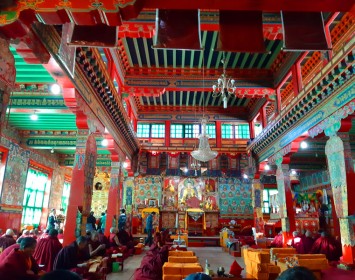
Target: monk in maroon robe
95,246
47,249
307,241
8,239
18,264
328,246
278,241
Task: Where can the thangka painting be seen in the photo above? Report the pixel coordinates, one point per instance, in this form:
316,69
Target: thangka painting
170,193
15,176
128,186
146,188
235,197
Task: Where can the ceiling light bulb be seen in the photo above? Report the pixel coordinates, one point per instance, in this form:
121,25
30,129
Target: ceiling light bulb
34,117
225,101
186,170
293,172
52,151
104,142
245,176
267,167
304,145
55,89
125,164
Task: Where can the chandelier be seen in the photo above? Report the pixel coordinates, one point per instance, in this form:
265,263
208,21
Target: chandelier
204,152
224,87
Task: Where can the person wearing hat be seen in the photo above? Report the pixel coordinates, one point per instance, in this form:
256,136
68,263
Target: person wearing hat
198,276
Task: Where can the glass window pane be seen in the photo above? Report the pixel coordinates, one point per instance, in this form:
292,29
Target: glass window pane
31,199
176,131
227,131
196,130
258,129
211,130
158,130
143,130
265,195
39,199
242,131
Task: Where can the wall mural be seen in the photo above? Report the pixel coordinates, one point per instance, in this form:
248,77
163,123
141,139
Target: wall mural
55,200
128,187
235,198
15,176
146,188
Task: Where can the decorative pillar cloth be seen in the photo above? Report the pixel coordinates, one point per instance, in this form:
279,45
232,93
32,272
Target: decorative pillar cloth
287,214
257,202
342,179
113,197
81,186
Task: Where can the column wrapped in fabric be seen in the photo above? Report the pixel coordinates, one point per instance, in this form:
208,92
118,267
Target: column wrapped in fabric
241,31
178,29
304,31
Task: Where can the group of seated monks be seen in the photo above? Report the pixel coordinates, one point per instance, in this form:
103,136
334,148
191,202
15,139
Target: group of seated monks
306,243
33,257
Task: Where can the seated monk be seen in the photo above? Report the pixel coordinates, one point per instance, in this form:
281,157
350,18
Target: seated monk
95,246
8,239
328,246
113,238
307,242
75,257
278,241
25,233
102,238
47,249
297,243
126,240
19,263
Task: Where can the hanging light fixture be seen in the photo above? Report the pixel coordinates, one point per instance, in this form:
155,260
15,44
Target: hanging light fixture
204,152
224,87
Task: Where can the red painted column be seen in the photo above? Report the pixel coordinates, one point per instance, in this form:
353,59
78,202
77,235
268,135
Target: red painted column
252,129
218,134
297,78
81,186
167,133
113,197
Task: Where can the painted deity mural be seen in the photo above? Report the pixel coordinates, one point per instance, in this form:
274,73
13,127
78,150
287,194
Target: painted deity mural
15,176
146,188
128,187
235,197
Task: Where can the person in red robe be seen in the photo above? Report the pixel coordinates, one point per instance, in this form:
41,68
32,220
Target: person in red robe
95,246
47,250
328,246
19,264
8,239
75,257
307,241
278,241
297,243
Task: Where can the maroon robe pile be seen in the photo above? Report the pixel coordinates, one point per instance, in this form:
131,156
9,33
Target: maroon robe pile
327,246
16,265
307,244
6,241
277,242
46,251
